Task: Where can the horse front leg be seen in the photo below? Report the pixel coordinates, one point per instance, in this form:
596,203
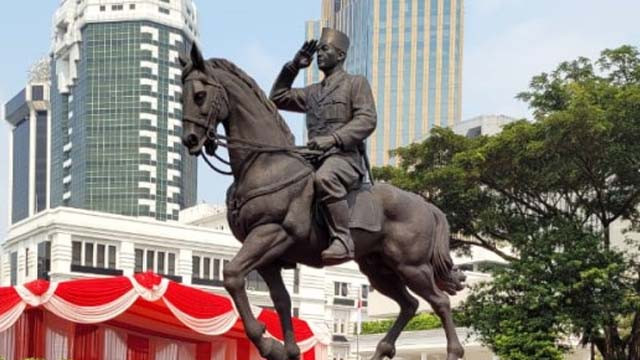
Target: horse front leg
282,302
264,245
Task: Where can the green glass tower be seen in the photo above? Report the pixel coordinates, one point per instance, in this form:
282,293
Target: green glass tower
116,107
411,51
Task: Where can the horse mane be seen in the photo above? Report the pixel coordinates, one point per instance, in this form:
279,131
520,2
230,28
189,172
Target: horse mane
228,66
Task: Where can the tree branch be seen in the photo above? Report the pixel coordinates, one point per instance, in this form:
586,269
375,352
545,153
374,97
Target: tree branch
483,244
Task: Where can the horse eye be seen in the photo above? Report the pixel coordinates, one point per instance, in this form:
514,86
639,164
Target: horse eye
200,96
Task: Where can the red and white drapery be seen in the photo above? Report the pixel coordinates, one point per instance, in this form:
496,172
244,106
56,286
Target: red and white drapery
108,300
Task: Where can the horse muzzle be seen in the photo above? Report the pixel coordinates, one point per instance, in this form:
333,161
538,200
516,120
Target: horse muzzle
193,143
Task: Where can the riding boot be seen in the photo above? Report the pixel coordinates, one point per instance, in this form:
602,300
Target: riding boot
337,218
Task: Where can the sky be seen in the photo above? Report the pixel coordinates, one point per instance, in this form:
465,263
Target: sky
506,42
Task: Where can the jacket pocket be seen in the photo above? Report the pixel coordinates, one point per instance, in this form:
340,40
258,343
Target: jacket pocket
335,111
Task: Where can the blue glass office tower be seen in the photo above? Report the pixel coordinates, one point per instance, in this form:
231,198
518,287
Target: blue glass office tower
411,51
29,118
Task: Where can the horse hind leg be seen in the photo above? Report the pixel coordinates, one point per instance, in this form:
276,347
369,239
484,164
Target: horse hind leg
421,281
391,285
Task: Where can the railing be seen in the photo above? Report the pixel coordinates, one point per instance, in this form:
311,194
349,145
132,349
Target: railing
95,270
344,301
208,282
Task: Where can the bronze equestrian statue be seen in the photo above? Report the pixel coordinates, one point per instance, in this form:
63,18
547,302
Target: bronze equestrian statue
341,114
401,242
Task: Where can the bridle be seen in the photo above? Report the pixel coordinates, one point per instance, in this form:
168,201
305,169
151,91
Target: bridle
215,139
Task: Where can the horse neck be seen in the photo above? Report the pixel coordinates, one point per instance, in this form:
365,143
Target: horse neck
254,123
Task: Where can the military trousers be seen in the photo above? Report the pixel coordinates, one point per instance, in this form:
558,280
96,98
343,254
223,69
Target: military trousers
334,178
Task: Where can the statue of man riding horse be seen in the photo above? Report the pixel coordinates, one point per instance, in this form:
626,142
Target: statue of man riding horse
400,241
341,114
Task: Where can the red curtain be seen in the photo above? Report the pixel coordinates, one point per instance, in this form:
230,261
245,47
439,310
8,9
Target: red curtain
310,355
203,351
30,334
243,349
138,348
88,342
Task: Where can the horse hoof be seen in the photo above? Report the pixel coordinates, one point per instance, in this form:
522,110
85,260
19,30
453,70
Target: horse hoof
455,354
384,350
293,351
272,350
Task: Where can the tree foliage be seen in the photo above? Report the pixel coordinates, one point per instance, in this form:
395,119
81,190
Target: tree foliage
422,321
548,190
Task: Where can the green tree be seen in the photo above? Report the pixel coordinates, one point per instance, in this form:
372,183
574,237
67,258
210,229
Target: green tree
549,190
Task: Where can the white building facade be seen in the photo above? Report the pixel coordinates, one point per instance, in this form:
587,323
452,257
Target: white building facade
65,243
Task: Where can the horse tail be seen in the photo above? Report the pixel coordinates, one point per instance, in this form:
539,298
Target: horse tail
448,278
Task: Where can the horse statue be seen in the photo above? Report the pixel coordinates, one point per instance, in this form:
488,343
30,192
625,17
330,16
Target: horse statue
271,210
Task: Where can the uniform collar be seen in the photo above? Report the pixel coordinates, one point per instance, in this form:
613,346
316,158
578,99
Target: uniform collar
334,77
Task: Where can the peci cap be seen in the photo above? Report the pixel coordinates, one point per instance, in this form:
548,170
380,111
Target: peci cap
336,38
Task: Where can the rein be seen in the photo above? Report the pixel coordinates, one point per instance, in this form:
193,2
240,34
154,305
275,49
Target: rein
230,142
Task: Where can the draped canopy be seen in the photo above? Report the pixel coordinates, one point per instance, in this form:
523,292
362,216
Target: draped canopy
149,303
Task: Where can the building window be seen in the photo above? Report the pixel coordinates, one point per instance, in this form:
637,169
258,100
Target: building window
172,264
139,257
163,10
37,92
206,268
340,289
76,253
296,312
26,262
112,257
101,255
255,282
44,260
158,261
150,258
210,269
132,6
14,268
216,269
103,8
296,280
364,292
161,269
341,322
88,256
195,267
117,7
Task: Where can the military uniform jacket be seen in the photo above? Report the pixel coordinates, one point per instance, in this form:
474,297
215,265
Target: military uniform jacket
340,106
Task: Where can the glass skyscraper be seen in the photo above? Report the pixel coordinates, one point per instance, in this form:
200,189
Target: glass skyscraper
29,117
116,107
411,52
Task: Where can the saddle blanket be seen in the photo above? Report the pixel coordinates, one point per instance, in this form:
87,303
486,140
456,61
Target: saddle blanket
365,212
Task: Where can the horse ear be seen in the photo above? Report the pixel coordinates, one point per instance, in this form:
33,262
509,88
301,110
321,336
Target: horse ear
196,57
183,59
